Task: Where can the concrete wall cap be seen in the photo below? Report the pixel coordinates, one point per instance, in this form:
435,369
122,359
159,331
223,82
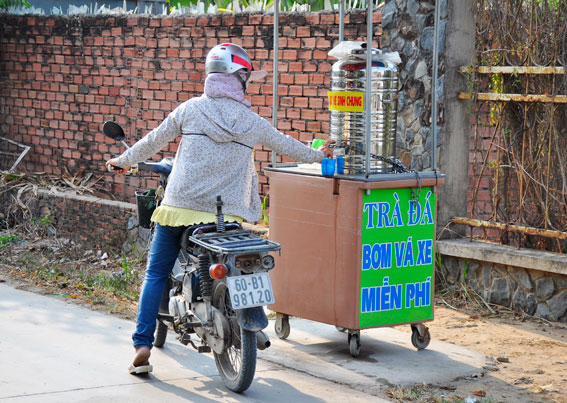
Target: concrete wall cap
89,199
506,255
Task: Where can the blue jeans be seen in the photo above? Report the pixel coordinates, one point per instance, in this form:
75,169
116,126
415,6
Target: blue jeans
163,253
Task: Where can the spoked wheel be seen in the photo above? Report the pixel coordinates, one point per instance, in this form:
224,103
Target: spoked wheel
161,334
237,364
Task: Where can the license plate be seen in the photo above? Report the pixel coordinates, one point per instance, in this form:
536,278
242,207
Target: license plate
250,290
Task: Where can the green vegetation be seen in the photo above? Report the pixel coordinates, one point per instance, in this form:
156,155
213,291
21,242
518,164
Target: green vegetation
123,283
265,219
551,4
6,239
5,4
88,283
285,5
46,220
497,87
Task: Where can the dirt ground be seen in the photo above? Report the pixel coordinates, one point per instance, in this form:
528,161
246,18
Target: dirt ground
527,356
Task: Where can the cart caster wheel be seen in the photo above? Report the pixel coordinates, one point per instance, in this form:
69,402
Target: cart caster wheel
282,327
420,342
354,344
340,329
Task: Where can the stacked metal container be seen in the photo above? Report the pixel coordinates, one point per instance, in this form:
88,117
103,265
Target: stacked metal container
349,128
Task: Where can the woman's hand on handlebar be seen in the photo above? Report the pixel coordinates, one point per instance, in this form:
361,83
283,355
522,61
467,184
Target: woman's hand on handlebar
112,166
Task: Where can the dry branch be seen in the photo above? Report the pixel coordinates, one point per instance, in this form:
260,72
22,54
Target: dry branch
510,227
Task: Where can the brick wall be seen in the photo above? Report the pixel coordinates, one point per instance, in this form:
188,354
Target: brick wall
482,155
89,220
481,173
493,184
62,77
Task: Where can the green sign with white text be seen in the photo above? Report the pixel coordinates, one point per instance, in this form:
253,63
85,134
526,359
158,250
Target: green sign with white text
398,233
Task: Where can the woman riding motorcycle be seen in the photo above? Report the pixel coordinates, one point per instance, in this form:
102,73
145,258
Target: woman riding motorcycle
215,157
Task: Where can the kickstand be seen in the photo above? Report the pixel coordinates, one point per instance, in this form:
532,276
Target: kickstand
186,339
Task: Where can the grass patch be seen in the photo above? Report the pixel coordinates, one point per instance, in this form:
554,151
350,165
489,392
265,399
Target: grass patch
111,284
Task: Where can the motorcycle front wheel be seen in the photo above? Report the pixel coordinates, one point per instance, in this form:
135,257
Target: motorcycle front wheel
237,364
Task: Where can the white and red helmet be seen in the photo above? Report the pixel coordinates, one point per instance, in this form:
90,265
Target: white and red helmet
229,58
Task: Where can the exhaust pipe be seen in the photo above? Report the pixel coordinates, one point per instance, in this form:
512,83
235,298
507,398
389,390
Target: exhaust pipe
262,340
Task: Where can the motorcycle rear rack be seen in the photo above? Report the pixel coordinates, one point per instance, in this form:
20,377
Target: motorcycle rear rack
234,242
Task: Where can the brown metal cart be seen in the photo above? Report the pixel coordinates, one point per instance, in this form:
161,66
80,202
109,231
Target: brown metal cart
357,250
346,256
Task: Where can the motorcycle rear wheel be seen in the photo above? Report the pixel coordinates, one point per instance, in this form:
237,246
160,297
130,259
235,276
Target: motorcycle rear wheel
237,364
161,334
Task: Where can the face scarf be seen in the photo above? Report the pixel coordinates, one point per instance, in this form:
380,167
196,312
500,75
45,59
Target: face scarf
218,85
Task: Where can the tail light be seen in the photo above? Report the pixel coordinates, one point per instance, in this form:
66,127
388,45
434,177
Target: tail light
268,262
217,271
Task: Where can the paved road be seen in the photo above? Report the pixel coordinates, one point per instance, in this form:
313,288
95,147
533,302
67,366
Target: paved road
54,351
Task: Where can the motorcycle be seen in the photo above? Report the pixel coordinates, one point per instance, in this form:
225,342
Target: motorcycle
217,289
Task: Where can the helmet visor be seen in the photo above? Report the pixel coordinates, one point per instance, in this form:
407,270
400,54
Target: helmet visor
257,75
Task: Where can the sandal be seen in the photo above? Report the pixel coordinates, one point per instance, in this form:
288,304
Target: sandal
141,369
141,363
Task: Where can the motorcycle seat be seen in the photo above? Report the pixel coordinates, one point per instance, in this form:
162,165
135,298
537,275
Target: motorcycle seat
164,167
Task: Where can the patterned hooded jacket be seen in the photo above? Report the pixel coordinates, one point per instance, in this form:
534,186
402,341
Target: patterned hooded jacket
215,156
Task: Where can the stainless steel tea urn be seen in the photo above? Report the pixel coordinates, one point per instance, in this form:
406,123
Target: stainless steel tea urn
348,127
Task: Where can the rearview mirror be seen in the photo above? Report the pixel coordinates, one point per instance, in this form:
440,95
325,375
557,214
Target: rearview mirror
113,130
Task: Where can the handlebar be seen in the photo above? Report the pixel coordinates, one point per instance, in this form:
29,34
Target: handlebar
113,168
163,167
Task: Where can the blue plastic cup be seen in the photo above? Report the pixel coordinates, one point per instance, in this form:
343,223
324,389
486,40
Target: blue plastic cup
328,167
340,165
